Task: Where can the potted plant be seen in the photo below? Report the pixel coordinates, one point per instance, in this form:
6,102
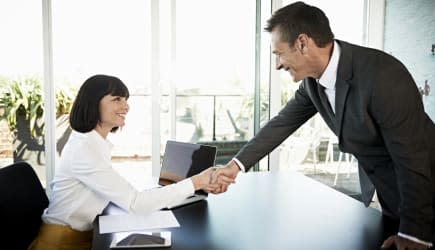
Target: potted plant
23,111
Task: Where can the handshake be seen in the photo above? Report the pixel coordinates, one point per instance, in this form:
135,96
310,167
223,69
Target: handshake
216,179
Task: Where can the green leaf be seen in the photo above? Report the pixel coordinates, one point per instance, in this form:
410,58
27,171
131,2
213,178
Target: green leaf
24,96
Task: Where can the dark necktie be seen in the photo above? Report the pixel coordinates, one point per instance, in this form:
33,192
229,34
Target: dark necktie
329,116
325,101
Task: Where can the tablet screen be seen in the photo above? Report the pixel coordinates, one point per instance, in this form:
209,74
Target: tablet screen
131,240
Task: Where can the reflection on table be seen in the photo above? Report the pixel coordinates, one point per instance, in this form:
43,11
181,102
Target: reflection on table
281,210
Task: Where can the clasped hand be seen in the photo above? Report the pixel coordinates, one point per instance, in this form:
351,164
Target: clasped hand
216,179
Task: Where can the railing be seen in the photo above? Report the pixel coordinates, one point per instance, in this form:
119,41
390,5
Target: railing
216,107
229,111
234,125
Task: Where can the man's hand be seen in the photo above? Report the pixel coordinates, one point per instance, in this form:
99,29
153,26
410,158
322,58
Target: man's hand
203,181
224,176
402,244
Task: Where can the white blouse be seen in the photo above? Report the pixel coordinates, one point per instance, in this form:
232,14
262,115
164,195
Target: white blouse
85,183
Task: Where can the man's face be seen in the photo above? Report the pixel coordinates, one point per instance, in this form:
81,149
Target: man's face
289,58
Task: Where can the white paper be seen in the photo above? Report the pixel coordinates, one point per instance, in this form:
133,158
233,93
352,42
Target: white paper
129,222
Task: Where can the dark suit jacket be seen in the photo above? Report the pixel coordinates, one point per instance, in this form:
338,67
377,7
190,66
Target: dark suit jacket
379,119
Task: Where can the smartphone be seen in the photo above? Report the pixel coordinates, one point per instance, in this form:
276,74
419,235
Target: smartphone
132,240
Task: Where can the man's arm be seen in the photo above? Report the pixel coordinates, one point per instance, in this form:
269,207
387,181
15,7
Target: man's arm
398,110
295,113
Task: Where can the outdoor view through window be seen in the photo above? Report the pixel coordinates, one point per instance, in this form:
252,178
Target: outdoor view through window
206,69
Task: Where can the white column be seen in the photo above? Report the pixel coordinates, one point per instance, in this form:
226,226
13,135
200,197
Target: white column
49,95
172,84
275,95
375,18
155,88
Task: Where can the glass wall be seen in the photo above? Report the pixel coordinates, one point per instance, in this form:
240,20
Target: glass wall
107,37
214,74
208,69
21,95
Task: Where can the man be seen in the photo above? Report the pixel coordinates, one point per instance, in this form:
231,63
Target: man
370,101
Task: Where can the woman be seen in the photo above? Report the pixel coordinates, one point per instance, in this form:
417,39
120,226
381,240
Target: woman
85,181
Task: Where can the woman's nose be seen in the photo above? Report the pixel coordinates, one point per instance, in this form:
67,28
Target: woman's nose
126,106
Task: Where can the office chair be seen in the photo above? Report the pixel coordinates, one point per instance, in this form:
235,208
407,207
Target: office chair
22,201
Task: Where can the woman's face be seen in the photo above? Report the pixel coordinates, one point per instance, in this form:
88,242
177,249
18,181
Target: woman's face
113,110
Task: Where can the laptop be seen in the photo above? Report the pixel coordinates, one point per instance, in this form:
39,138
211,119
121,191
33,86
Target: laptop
182,160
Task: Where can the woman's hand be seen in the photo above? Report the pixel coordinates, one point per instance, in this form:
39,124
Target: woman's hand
203,181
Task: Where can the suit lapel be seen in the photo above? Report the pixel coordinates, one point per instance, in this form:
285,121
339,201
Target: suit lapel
344,75
341,89
342,86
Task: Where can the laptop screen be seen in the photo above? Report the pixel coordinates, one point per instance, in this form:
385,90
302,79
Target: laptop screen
182,160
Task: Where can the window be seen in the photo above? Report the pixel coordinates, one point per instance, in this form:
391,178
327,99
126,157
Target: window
213,75
21,78
109,37
207,66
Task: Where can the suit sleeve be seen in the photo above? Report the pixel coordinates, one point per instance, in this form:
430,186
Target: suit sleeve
398,110
295,113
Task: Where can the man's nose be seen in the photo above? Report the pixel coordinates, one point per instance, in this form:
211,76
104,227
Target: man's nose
278,64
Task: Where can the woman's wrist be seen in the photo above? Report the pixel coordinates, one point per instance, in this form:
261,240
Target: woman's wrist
196,180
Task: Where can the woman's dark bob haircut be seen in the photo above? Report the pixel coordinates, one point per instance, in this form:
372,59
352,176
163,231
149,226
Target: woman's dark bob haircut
85,113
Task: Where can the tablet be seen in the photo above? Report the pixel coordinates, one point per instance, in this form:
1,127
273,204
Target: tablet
133,240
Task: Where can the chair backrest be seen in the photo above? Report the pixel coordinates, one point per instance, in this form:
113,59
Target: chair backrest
22,201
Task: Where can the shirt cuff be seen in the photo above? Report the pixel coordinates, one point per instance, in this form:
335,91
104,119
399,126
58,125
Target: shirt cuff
412,238
185,187
240,165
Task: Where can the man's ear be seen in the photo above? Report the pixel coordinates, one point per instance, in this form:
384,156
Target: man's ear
302,43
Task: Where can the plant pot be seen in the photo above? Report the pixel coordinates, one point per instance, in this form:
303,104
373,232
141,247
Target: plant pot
63,131
27,148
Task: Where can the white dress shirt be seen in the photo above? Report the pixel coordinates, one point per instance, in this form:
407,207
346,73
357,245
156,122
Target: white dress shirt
85,182
329,76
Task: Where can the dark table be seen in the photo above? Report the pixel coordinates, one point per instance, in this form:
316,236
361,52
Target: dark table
282,210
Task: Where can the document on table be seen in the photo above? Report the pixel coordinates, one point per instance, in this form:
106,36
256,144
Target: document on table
131,222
